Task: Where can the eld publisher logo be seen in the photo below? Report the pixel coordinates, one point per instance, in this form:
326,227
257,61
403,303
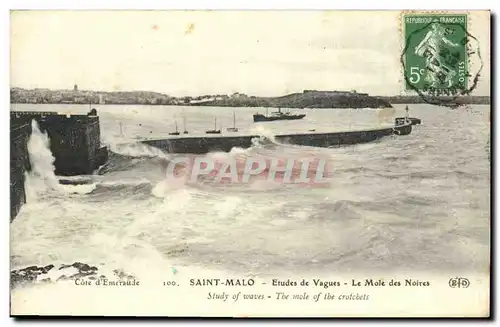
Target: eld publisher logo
459,282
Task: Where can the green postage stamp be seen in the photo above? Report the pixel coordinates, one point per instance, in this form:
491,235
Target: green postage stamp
435,56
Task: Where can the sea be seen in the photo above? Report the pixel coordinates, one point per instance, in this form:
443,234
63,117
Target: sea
416,202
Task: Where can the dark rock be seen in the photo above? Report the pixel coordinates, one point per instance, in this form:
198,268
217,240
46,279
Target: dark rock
119,273
82,274
35,274
81,266
47,268
22,276
122,275
78,265
30,268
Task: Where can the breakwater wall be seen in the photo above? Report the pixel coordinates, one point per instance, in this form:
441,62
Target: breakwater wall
205,144
74,142
20,132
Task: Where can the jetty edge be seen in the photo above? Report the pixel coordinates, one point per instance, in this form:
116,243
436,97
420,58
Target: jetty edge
205,144
75,143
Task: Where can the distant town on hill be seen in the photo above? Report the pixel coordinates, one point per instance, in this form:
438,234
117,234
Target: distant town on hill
306,99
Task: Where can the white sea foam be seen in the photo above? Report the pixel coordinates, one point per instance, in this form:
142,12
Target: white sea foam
41,179
138,150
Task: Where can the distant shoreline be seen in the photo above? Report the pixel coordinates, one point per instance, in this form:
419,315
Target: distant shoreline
306,99
461,100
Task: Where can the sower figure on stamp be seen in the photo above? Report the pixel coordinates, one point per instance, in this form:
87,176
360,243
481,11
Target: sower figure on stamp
431,47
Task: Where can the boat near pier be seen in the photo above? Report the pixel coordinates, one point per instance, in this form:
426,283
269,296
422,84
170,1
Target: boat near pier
215,130
407,118
176,130
234,128
278,115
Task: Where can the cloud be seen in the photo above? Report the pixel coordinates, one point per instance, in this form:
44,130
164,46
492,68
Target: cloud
256,52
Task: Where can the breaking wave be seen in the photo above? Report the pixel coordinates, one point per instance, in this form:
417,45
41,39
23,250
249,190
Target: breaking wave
41,179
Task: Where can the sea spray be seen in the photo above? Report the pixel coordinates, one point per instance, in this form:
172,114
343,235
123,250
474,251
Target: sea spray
266,136
41,178
386,115
137,150
262,131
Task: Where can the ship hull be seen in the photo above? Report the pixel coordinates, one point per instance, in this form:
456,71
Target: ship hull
262,118
413,120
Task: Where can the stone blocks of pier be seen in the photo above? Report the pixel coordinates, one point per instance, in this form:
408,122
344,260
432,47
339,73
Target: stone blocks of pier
19,163
74,142
205,144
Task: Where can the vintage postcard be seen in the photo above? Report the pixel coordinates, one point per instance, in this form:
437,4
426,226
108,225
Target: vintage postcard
250,163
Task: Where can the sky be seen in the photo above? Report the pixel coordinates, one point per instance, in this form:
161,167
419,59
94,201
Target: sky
264,53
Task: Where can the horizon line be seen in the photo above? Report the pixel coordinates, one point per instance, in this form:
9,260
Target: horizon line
220,93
